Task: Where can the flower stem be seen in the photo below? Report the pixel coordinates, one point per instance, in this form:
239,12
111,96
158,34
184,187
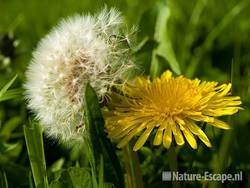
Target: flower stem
132,165
173,165
203,127
221,163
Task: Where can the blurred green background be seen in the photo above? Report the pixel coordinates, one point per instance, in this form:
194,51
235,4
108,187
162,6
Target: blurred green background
208,39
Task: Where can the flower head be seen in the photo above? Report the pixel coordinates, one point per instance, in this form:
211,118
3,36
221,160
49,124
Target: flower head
170,107
80,49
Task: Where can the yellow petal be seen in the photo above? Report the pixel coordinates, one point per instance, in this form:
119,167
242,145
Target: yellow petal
143,138
226,90
221,111
202,118
221,87
141,82
197,131
124,141
220,124
131,134
125,126
190,138
178,136
192,113
231,98
224,103
158,137
207,98
172,125
167,137
121,131
166,75
179,121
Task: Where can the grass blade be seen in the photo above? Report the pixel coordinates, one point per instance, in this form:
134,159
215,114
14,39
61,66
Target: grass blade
11,94
5,94
7,86
3,179
34,143
226,20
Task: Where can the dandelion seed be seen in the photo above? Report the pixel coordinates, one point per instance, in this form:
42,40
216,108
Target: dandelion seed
170,106
77,51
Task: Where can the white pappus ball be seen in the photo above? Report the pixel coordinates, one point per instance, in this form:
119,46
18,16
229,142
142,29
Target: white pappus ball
78,50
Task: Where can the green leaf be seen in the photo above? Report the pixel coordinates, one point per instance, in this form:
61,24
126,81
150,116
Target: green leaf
63,181
10,152
11,94
9,127
74,177
34,143
31,183
164,48
101,173
5,94
57,165
101,145
7,86
5,147
80,177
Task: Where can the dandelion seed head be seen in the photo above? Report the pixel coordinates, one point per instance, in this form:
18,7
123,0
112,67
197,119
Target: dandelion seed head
78,50
170,107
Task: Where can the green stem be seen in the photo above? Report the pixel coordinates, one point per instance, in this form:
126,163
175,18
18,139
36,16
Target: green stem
173,165
224,153
132,165
225,146
203,127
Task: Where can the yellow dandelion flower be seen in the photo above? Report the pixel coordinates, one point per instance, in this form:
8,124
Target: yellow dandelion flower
168,107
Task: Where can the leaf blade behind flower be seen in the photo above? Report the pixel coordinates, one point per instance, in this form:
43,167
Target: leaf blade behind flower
101,145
